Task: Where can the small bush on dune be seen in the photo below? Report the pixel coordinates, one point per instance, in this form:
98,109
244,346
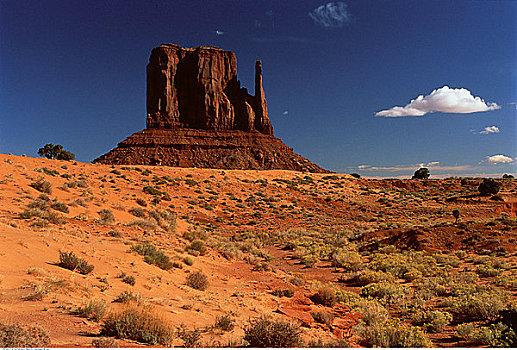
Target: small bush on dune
93,310
153,256
16,336
42,186
389,292
71,262
107,216
190,338
264,333
225,323
138,212
322,317
197,280
126,297
59,206
140,324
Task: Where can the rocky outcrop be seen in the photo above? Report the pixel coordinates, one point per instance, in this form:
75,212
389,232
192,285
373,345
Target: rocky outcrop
198,115
198,88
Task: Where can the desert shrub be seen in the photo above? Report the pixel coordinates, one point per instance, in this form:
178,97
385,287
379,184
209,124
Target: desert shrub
487,270
479,302
152,255
489,186
129,280
372,311
42,186
93,310
225,323
283,293
114,233
138,212
264,333
367,276
104,343
347,259
421,174
71,262
152,191
197,245
356,175
138,323
430,287
39,203
493,335
393,334
388,292
323,317
141,202
17,336
146,223
107,216
188,261
434,321
197,280
126,297
59,206
191,339
325,296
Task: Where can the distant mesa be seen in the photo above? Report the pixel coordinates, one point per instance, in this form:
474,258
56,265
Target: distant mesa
198,115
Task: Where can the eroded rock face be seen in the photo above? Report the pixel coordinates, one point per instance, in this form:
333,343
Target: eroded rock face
198,88
199,116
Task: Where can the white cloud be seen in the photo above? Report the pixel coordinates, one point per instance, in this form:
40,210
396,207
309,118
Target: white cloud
444,100
490,130
285,113
331,15
411,168
219,32
497,159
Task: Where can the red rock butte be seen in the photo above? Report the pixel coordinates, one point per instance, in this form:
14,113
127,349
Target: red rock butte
198,115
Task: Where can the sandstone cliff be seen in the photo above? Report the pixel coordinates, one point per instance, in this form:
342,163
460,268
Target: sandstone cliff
199,116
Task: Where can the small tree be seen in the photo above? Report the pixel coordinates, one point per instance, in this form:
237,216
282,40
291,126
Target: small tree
421,174
51,151
489,186
508,176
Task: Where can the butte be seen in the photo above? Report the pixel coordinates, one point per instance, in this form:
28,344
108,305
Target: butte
198,116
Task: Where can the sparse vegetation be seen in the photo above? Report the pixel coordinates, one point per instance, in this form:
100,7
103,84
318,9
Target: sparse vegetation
197,280
264,333
138,323
94,310
71,262
153,256
18,336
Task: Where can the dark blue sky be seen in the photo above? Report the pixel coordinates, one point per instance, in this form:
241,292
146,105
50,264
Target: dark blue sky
73,73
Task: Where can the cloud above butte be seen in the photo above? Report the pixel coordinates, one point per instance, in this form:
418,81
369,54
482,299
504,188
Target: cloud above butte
331,15
445,100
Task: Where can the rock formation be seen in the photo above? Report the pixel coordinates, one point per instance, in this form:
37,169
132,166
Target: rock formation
199,116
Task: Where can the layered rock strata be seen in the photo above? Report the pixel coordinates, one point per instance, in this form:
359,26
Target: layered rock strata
199,116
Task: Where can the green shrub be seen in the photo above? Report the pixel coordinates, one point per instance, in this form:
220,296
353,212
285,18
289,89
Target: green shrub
51,151
126,297
493,335
225,323
347,259
93,310
140,324
107,216
283,293
477,303
393,334
197,280
434,321
129,280
141,202
198,246
71,262
188,261
421,174
39,203
389,292
138,212
264,333
367,276
17,336
42,186
59,206
153,256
